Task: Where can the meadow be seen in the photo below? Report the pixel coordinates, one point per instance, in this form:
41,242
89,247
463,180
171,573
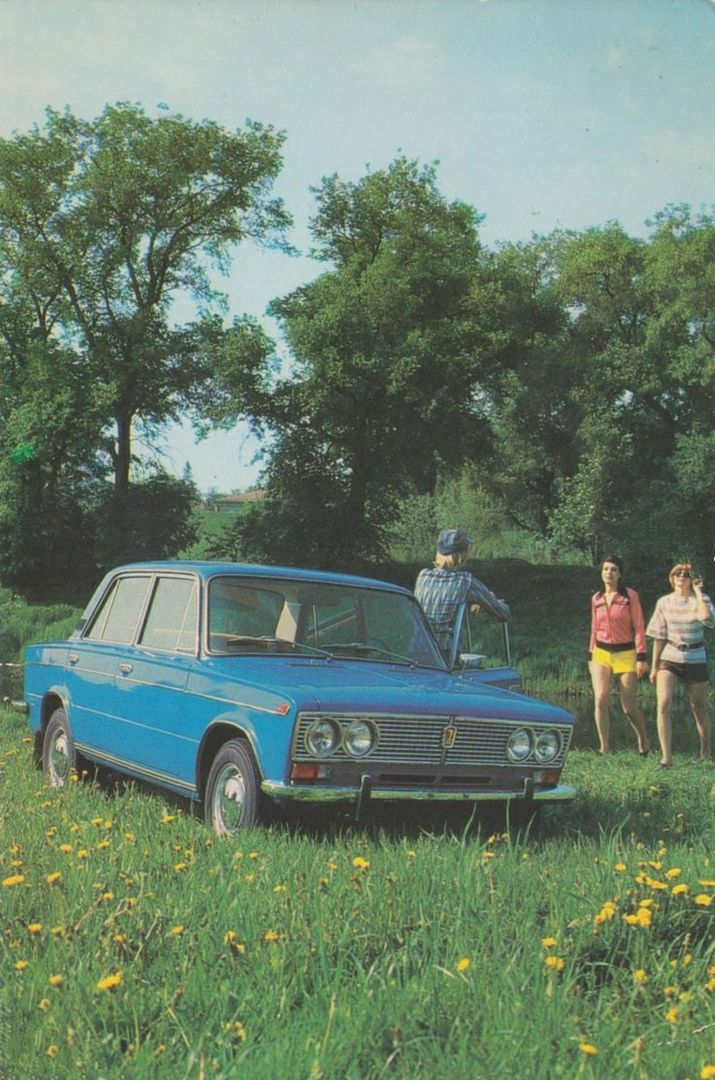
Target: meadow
135,944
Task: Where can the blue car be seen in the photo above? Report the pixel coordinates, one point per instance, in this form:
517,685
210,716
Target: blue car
240,686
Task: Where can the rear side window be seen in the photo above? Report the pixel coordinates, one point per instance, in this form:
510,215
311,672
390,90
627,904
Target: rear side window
172,618
120,611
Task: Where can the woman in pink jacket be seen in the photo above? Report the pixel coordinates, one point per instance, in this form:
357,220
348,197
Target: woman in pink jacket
617,647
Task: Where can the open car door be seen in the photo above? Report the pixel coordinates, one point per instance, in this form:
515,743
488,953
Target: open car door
481,650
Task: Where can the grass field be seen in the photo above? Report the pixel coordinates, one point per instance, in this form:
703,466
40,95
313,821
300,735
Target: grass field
135,944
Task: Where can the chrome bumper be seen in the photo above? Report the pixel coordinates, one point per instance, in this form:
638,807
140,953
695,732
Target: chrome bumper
366,792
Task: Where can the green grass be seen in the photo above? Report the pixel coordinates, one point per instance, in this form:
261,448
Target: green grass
399,948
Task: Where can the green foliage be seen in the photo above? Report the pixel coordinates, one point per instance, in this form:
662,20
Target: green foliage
413,947
384,361
151,521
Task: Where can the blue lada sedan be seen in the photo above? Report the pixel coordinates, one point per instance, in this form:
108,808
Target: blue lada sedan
239,685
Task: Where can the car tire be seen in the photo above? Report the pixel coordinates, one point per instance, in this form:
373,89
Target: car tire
233,795
59,757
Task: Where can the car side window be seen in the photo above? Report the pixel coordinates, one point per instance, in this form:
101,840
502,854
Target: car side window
119,612
171,622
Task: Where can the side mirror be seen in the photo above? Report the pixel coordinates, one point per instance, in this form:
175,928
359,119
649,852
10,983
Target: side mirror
471,661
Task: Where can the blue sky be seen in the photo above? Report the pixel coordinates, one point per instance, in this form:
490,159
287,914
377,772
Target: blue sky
542,113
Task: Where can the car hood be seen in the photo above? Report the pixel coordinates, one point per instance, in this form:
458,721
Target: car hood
367,687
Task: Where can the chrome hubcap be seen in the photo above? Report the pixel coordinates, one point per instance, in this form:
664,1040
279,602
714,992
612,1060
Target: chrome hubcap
229,799
59,760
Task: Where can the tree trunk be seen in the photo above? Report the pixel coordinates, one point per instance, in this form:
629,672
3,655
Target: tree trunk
122,455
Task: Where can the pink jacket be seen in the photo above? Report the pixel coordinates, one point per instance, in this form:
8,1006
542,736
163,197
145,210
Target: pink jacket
620,623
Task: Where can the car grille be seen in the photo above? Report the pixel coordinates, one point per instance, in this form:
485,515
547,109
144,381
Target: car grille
423,740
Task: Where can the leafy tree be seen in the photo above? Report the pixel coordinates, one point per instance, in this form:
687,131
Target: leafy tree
107,222
385,362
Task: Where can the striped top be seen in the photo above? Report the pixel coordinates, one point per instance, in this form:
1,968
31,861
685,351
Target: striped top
675,620
440,594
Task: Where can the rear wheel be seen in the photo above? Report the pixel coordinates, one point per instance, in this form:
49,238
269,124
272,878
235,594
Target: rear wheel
59,757
232,791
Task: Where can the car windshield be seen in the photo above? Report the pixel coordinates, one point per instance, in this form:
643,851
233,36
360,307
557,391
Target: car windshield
289,616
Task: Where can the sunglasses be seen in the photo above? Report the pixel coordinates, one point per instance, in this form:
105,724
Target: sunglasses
681,573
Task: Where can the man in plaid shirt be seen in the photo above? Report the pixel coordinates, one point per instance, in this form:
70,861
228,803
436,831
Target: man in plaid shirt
442,590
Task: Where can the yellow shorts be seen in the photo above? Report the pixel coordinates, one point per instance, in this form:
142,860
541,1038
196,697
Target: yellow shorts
620,663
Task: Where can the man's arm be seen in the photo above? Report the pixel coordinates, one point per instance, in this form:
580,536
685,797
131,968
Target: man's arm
480,594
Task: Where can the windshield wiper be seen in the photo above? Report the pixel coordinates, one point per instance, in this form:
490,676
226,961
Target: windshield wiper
362,646
267,639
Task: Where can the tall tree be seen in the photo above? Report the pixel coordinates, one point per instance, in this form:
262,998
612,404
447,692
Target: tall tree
106,223
385,353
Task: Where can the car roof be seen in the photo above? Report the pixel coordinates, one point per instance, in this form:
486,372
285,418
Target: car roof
206,570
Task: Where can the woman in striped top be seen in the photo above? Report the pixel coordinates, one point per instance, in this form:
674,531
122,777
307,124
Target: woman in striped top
676,627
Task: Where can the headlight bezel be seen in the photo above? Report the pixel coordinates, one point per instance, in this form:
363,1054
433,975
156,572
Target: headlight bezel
539,756
371,732
311,733
523,755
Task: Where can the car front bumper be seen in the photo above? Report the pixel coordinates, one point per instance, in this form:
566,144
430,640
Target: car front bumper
316,793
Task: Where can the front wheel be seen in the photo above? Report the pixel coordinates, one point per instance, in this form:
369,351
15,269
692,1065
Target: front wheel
59,757
232,791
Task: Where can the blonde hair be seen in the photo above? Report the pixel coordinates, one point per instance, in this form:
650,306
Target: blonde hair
450,562
680,566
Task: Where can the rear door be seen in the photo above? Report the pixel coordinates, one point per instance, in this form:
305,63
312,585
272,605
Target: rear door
158,734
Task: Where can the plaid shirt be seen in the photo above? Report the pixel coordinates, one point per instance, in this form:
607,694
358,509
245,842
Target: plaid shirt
440,594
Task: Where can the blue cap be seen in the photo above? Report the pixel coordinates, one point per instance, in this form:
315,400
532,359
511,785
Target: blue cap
451,541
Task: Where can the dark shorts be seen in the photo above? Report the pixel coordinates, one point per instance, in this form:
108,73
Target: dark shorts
687,673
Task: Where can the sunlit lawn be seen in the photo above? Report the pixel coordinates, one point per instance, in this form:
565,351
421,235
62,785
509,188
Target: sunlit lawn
134,944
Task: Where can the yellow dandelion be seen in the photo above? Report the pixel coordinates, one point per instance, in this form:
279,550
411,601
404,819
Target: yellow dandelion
180,867
253,854
14,879
177,930
56,980
96,821
707,884
588,1048
548,942
707,1072
463,964
672,1015
640,975
674,872
110,982
167,819
44,1004
619,867
411,854
703,900
34,928
57,931
680,890
271,935
20,965
670,991
53,878
120,938
279,888
65,848
52,1050
556,963
361,864
83,853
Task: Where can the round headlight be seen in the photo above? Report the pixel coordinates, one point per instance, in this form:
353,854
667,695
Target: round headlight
547,746
359,738
322,738
518,745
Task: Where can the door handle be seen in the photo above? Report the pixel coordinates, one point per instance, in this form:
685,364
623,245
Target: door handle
126,668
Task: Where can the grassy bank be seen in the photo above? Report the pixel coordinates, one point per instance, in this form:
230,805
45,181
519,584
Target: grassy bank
136,945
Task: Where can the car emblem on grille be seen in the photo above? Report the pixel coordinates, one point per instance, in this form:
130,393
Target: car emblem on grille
449,737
